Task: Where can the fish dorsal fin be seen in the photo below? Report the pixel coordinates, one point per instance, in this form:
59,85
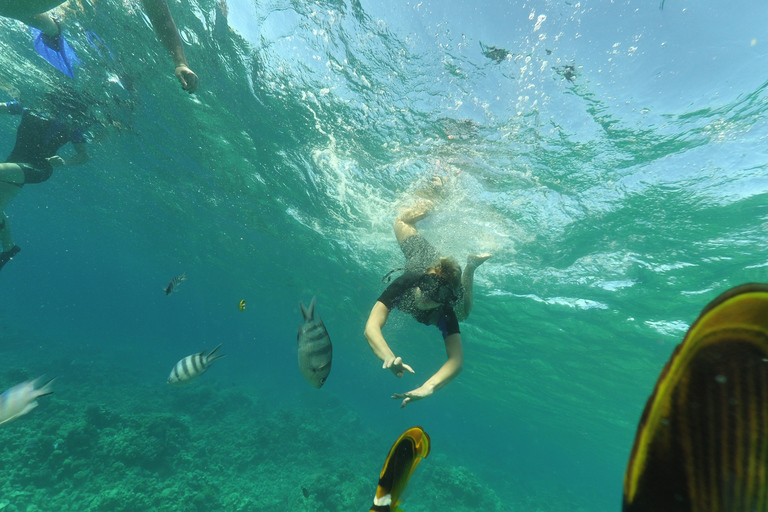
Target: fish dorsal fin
308,313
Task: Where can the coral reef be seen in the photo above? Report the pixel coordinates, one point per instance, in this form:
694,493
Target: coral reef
202,449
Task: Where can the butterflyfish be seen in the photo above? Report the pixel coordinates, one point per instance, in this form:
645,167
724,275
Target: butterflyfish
702,441
403,457
191,367
314,347
174,284
22,398
241,305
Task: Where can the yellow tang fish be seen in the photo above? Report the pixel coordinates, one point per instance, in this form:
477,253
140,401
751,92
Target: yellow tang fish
404,456
702,442
241,305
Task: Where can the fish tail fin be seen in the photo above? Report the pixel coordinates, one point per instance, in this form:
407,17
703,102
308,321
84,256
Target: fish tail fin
210,357
308,313
46,388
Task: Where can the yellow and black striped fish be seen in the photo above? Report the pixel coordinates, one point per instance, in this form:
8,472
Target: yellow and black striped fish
191,367
412,446
174,284
702,442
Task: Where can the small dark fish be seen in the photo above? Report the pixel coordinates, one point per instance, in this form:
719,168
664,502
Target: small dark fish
567,71
315,349
305,492
701,441
412,446
174,284
495,53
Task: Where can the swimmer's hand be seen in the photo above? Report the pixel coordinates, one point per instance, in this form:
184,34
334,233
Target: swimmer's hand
412,396
56,161
397,366
187,78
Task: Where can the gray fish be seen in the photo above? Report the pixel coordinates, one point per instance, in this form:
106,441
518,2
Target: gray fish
191,367
315,350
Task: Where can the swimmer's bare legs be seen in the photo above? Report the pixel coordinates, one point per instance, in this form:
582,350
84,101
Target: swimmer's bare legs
467,280
32,13
45,23
405,223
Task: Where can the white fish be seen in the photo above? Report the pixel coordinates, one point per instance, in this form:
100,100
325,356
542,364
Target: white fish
191,367
22,398
315,349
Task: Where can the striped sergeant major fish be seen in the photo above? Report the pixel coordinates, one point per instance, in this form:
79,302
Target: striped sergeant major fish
174,284
191,367
701,442
409,449
315,350
22,398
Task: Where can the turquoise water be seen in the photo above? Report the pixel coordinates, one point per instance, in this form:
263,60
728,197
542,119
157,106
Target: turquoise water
617,202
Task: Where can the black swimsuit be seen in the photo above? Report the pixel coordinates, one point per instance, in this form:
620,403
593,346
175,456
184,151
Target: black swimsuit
37,139
419,256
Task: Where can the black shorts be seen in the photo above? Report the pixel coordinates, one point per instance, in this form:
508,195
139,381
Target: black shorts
35,175
419,254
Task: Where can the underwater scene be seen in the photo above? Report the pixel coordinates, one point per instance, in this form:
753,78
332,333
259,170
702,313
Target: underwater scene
242,239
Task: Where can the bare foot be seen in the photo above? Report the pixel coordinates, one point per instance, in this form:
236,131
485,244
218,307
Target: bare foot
475,260
416,212
435,188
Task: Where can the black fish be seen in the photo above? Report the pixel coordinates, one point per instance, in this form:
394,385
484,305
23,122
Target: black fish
175,283
305,492
495,53
702,440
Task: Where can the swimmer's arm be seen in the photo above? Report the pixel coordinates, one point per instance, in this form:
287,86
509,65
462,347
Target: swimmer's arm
378,344
81,156
450,369
165,28
376,321
166,31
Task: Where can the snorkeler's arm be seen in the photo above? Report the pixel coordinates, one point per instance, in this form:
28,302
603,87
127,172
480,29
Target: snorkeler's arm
81,156
450,369
165,28
11,107
378,344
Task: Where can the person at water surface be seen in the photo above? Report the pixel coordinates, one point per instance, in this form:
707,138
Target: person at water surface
434,291
38,139
34,13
